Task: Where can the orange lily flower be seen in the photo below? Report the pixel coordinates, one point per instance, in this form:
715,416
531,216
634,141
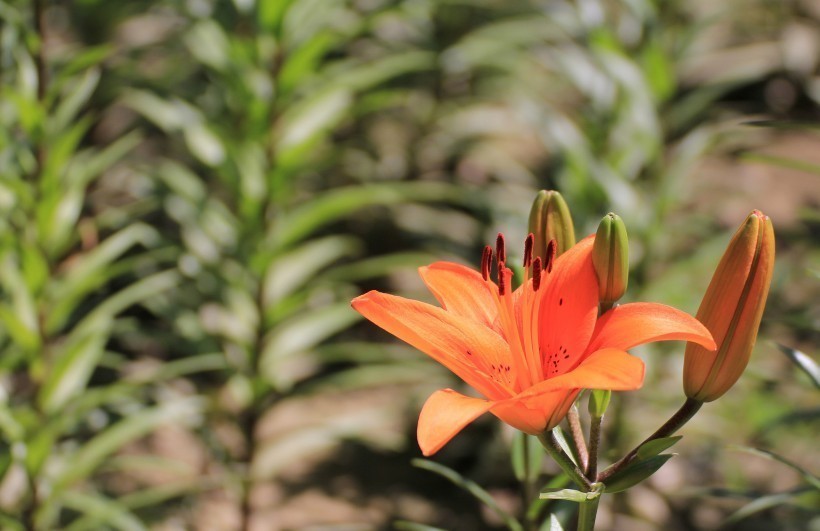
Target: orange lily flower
529,352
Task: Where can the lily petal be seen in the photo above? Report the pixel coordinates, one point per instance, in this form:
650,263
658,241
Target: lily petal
449,339
569,309
545,404
461,291
534,414
445,414
633,324
608,368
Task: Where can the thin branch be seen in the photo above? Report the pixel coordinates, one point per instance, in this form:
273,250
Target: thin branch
577,432
550,444
594,445
675,422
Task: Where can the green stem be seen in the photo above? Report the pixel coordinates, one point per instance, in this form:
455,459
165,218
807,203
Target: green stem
594,444
587,513
527,488
675,422
550,444
577,433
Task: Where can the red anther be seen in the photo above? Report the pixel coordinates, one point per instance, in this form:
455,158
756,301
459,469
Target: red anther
536,273
486,262
502,277
528,243
500,249
552,248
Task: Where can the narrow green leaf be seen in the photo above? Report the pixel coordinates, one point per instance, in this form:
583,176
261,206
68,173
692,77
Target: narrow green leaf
160,494
341,202
88,271
214,361
271,14
554,524
472,487
170,116
635,473
376,266
813,480
765,502
566,444
803,362
527,456
307,330
303,124
656,446
138,291
78,94
289,272
27,338
90,163
74,364
92,454
99,510
782,162
537,506
565,494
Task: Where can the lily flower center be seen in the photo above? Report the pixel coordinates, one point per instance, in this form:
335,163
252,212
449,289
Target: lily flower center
518,315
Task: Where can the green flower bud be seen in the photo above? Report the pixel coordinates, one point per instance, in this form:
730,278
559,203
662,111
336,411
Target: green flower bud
598,402
550,220
610,256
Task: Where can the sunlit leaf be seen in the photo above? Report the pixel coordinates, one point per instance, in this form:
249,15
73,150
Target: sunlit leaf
656,446
635,473
87,458
473,488
100,510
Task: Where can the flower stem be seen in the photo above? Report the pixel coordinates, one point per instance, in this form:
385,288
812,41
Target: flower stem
577,432
594,444
550,444
587,513
675,422
527,487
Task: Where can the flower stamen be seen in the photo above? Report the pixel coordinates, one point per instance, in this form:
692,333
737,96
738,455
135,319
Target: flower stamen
486,262
552,249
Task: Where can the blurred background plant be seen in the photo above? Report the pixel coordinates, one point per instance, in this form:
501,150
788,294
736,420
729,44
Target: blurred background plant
192,192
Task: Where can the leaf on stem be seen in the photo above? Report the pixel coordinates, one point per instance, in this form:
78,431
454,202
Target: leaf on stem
527,456
804,362
472,487
656,446
636,472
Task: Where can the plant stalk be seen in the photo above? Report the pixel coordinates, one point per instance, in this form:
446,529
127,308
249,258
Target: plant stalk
587,513
594,444
550,444
577,432
675,422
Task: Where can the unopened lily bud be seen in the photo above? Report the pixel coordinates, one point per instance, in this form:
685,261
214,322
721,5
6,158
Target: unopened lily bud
610,257
731,310
550,220
598,402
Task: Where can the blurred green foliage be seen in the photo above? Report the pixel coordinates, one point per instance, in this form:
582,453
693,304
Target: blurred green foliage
192,191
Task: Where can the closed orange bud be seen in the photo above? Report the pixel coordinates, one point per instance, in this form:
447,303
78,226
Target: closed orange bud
731,310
